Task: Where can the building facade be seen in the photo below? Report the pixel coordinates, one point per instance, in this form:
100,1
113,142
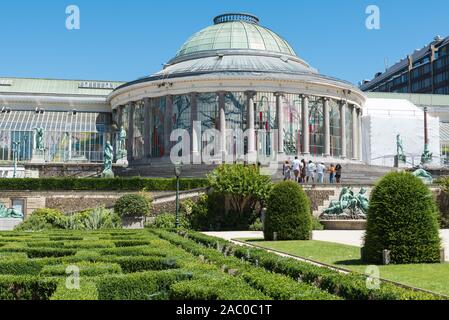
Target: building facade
239,76
74,115
424,71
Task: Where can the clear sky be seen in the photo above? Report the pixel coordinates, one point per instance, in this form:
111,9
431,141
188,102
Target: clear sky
125,40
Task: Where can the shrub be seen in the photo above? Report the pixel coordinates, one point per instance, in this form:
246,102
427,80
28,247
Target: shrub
26,288
168,221
138,264
402,218
257,225
288,213
132,205
42,219
244,184
213,288
103,184
19,267
87,291
316,224
86,269
151,285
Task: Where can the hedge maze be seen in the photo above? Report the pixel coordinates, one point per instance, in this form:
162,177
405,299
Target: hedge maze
155,264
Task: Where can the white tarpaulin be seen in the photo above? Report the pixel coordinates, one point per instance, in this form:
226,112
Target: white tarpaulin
384,119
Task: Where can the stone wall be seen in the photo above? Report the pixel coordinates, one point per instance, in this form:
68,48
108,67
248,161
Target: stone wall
318,196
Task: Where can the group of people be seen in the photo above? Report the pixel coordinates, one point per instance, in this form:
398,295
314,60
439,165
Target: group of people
311,172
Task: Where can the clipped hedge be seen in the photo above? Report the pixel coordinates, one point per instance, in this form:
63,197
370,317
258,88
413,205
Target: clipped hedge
402,218
26,288
138,264
347,286
150,285
19,267
288,213
101,184
85,268
223,288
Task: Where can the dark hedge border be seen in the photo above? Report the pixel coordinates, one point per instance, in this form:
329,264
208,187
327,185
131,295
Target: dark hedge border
100,184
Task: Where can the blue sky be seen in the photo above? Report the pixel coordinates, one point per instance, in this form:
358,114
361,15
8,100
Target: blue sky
124,40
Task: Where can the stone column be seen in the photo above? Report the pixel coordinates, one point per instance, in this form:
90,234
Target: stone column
251,126
130,137
305,126
343,105
119,116
222,121
195,132
151,121
355,143
168,125
359,130
147,128
280,122
327,127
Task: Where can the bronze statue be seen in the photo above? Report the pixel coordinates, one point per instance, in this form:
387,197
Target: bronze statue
9,212
423,175
349,205
107,161
400,149
39,139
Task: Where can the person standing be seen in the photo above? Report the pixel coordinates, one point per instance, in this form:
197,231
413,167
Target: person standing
303,171
287,169
296,167
331,174
311,168
320,168
338,172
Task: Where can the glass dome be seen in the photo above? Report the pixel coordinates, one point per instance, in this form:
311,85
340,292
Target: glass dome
236,31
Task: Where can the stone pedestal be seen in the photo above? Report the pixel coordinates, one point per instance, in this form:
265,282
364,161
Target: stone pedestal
38,157
400,163
8,224
133,223
122,162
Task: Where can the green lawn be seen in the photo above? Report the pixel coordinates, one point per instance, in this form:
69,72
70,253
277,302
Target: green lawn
434,277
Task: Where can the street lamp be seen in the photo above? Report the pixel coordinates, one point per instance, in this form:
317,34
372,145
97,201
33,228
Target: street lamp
15,152
178,171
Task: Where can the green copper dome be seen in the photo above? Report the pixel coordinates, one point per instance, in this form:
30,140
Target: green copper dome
236,31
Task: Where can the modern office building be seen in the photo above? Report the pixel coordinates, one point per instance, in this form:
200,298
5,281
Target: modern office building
425,70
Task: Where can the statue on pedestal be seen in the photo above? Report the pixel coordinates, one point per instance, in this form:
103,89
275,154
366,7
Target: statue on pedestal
349,205
107,161
9,213
423,175
400,149
39,139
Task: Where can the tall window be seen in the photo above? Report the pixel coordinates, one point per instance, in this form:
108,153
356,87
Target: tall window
291,108
335,130
316,126
349,150
139,131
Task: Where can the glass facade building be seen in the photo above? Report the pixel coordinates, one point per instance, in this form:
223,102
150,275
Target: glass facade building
68,136
424,71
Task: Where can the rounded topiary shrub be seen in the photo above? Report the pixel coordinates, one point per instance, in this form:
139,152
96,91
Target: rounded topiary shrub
288,213
133,205
402,218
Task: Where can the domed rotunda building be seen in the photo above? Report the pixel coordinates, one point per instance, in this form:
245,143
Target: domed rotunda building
239,75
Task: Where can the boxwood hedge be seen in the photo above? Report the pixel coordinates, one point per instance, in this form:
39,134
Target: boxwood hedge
101,184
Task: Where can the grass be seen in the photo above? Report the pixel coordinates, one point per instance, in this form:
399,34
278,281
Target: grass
433,277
